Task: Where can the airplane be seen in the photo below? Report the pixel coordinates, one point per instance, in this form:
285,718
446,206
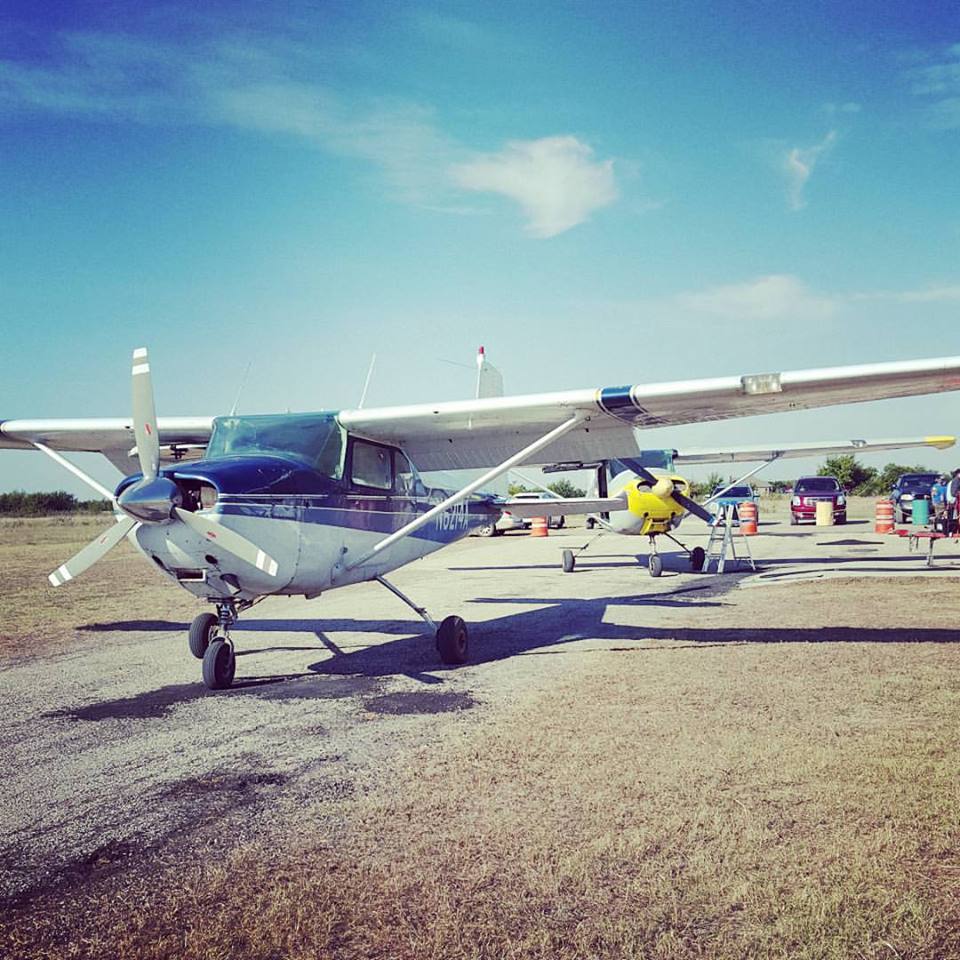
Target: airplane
302,503
633,500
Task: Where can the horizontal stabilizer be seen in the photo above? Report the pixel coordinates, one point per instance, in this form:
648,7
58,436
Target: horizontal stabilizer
563,506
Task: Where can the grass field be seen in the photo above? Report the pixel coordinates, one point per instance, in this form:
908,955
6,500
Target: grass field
35,617
669,799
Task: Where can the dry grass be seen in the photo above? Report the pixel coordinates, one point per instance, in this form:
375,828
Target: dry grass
35,617
724,799
675,801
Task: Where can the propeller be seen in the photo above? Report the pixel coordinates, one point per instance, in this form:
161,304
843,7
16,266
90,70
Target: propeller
155,499
663,487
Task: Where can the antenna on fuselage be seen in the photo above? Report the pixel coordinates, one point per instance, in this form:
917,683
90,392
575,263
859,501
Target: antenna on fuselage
366,383
243,383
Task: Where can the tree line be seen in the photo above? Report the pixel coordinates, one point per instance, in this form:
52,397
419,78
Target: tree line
19,503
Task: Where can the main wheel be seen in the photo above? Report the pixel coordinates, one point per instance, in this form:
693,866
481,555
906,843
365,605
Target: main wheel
569,561
697,557
202,631
219,665
452,640
655,565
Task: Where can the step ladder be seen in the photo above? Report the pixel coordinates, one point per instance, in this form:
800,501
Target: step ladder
722,544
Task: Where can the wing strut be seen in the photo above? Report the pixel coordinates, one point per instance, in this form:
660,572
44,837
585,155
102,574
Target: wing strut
746,476
75,470
469,489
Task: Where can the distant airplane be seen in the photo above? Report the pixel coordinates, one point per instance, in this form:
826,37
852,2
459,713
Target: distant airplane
633,500
301,503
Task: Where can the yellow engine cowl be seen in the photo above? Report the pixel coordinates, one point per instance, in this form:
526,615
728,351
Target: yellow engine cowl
652,510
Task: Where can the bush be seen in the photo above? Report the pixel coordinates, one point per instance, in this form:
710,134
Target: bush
19,503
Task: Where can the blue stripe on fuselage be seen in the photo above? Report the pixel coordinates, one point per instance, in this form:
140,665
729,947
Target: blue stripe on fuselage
364,513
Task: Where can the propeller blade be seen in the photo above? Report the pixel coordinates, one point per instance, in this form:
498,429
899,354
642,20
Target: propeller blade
92,552
237,545
640,470
145,415
691,506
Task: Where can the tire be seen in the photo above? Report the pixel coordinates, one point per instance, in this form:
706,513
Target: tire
202,631
697,558
561,522
842,519
487,530
452,641
219,665
793,520
569,561
591,523
655,566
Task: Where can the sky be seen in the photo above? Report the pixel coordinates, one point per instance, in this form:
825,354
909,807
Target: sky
599,193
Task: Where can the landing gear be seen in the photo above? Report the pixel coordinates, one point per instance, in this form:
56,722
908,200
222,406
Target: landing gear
451,635
569,561
452,641
209,641
219,664
202,631
655,565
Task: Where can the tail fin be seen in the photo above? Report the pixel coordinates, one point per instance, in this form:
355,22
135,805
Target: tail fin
490,384
489,378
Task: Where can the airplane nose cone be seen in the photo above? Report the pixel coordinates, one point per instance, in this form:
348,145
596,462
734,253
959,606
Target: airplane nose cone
151,501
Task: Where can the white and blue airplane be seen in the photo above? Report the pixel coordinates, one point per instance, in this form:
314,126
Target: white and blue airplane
302,503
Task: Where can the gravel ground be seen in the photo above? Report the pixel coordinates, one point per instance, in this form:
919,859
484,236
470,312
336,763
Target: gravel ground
115,756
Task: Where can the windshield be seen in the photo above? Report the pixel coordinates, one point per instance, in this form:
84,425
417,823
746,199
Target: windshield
740,491
315,439
817,485
918,479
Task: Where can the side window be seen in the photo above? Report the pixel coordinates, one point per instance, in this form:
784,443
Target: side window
372,466
408,480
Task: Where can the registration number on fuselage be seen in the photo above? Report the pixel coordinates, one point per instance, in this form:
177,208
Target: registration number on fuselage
456,518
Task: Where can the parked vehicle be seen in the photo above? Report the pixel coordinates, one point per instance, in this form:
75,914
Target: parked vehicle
809,491
734,496
908,488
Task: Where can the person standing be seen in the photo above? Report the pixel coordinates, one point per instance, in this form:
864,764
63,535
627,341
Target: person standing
938,500
953,492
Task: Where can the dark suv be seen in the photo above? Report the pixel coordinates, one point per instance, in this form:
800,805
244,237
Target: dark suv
808,491
910,487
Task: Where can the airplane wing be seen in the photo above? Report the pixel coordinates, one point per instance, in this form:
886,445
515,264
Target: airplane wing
478,433
481,432
787,451
181,438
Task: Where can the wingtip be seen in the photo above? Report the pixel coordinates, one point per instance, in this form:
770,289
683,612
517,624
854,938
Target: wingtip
940,443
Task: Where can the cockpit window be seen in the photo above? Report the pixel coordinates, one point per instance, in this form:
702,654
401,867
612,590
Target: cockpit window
372,465
314,439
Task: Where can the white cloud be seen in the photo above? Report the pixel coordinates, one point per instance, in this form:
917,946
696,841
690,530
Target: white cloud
555,181
947,294
936,77
270,85
799,164
773,297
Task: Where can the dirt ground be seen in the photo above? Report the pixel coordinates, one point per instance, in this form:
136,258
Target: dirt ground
758,764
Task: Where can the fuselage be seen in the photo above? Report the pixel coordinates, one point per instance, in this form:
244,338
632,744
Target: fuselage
308,494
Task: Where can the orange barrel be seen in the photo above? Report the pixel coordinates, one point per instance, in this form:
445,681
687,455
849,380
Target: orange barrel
747,512
883,522
538,527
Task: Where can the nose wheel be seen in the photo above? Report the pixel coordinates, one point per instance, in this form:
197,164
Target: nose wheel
219,664
209,641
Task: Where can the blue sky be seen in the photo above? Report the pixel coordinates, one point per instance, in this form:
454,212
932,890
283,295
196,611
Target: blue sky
601,193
